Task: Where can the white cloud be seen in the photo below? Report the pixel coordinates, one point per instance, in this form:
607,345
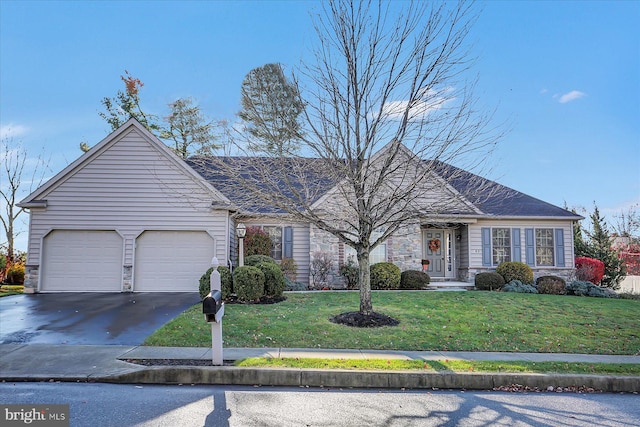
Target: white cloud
571,96
543,91
431,101
11,130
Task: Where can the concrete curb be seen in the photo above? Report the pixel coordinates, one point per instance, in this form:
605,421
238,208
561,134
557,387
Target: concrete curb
366,379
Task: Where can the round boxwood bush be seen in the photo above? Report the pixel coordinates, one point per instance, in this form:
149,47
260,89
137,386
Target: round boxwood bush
489,281
274,282
551,285
515,270
385,275
414,279
248,283
519,287
254,260
225,279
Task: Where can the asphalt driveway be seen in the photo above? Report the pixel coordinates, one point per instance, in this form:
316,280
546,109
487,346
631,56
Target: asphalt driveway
88,318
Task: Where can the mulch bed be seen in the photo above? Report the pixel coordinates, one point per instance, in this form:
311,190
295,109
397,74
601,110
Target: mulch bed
359,320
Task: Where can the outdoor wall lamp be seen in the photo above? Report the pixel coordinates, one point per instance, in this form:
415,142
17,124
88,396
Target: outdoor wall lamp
241,231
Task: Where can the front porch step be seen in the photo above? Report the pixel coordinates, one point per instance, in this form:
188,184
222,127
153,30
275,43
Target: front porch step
449,284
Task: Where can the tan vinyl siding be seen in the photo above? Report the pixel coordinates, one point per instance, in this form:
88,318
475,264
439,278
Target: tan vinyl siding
475,237
113,192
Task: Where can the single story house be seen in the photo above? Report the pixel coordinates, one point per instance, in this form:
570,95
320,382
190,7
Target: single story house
131,216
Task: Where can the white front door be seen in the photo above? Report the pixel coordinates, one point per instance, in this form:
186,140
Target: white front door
438,250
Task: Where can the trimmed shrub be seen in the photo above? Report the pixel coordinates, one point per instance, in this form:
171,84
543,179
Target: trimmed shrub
351,273
274,283
414,279
385,275
289,268
225,279
290,285
589,269
519,287
257,242
489,281
515,270
248,282
587,289
253,260
551,285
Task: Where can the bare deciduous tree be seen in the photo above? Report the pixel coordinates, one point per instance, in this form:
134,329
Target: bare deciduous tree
15,164
387,111
627,224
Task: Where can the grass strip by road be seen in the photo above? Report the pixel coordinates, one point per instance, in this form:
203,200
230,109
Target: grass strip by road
632,369
436,321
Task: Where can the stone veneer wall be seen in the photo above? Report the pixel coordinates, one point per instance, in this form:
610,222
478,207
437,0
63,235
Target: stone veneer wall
404,249
322,242
127,272
31,277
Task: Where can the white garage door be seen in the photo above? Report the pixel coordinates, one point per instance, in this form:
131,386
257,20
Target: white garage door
171,261
82,261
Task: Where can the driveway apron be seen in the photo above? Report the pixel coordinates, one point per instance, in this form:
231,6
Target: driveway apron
88,318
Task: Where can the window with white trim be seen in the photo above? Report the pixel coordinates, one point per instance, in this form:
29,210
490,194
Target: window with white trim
378,254
275,233
500,245
544,246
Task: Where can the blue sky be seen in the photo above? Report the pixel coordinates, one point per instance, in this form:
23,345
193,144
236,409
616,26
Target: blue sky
564,75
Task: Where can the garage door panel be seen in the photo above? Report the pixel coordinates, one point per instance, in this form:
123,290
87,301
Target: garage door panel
171,261
82,261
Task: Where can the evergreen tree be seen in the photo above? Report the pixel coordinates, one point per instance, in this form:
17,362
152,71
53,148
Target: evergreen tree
189,130
598,245
271,105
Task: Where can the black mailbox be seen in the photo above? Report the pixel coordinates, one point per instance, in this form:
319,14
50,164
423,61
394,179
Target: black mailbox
211,305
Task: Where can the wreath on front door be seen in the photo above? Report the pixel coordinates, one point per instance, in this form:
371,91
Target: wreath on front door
434,245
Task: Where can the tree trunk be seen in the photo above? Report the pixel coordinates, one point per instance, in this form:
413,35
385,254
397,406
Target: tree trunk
366,308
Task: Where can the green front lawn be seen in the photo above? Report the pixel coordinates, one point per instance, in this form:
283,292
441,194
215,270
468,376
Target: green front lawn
446,321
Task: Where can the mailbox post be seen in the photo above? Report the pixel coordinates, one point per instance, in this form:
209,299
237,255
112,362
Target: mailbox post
213,310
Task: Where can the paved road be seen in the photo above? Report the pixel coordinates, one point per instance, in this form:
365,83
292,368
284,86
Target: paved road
182,406
88,318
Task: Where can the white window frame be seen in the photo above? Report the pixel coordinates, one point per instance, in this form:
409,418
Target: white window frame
378,254
501,253
277,248
549,251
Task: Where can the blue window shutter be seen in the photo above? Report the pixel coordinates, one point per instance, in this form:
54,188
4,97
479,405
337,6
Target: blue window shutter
516,248
287,250
529,242
486,246
559,247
